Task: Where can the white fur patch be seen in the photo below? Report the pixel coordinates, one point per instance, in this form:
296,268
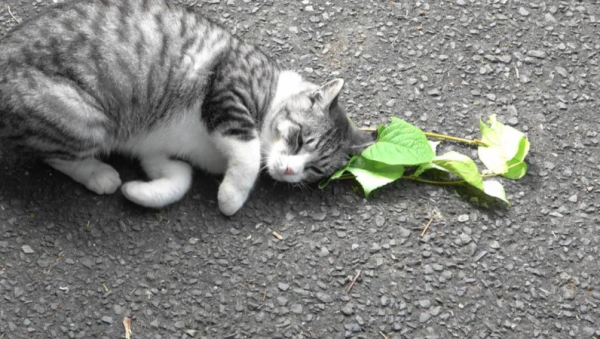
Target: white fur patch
97,176
171,179
242,171
187,137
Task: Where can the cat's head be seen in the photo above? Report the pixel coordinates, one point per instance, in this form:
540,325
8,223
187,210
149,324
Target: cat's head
310,136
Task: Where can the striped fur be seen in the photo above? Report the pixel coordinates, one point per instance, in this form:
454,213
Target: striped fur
170,87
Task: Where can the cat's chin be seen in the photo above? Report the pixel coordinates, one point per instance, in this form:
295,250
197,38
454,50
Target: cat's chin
286,178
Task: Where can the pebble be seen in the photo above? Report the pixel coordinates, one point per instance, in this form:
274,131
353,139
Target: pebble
283,286
434,92
348,309
424,316
27,249
536,54
463,239
504,58
463,218
296,308
318,216
107,320
425,303
513,121
562,71
523,11
324,297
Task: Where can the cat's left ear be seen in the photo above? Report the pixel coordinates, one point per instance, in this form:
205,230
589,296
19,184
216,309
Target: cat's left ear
327,94
358,140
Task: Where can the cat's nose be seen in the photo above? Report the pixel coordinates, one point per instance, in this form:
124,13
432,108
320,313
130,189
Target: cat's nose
289,171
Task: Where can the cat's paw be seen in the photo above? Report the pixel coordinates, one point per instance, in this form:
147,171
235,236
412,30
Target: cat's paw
103,180
141,193
231,198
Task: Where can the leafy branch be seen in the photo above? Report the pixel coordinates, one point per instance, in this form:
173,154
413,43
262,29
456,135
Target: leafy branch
399,145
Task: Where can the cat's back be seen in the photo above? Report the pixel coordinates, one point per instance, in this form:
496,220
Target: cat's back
134,59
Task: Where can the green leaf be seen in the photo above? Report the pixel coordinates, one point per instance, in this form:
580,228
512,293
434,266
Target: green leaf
494,189
336,175
506,148
460,165
372,175
517,168
400,143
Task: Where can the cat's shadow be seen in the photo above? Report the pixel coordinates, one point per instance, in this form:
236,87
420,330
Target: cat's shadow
31,184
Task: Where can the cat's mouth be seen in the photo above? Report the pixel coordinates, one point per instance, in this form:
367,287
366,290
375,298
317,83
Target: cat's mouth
285,175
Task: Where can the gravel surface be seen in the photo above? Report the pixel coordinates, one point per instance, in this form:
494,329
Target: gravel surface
73,264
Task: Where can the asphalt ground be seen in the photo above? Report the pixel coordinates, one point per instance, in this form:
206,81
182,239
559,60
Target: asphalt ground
74,264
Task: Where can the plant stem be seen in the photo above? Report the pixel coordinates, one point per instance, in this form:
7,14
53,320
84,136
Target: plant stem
475,142
433,182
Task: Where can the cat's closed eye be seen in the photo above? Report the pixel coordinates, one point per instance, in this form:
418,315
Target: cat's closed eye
315,169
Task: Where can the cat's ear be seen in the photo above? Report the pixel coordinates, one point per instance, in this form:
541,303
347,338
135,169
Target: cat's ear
327,94
358,140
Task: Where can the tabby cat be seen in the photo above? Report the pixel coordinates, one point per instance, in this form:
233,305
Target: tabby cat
170,87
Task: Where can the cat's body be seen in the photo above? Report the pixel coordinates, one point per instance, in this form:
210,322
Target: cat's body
170,87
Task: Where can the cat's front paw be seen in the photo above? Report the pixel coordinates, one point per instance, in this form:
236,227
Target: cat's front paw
103,180
231,198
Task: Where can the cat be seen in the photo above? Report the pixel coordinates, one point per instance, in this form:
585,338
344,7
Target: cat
165,85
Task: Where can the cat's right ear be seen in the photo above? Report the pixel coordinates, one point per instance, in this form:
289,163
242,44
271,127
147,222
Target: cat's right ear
327,94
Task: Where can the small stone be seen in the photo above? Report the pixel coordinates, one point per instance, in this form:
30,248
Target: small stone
491,97
87,262
434,92
513,121
403,232
118,309
282,301
27,249
523,11
536,54
562,106
18,291
348,309
425,303
283,286
549,18
318,216
323,297
107,320
391,103
573,198
423,317
504,58
463,239
562,71
495,244
460,2
463,218
296,308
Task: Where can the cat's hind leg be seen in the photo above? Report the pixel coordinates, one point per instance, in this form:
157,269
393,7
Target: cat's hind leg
97,176
170,181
